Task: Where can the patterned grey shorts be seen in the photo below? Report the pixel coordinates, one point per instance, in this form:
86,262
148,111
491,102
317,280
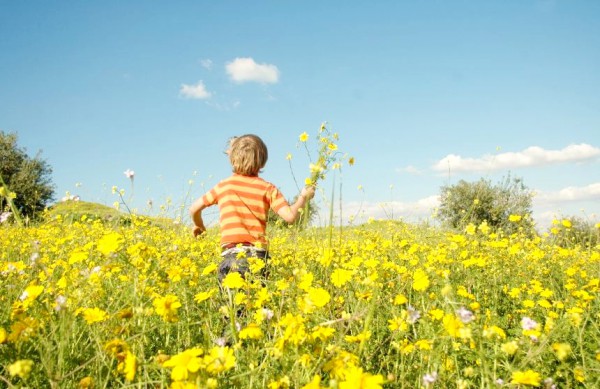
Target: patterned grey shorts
231,261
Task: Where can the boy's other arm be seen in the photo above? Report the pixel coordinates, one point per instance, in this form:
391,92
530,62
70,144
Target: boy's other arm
196,214
290,214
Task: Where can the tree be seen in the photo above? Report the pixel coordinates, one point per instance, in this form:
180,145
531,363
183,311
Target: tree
476,202
28,178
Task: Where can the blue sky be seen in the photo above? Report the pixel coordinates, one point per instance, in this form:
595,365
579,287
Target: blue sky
422,93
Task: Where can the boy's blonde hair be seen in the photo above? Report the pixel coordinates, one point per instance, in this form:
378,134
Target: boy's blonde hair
248,155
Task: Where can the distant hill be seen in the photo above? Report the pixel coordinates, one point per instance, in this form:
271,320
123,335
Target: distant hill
71,211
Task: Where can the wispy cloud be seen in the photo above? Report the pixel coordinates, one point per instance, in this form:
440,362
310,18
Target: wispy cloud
206,63
415,210
531,156
570,194
410,169
197,91
246,70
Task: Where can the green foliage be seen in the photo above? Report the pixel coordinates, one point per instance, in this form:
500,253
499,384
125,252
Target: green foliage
28,178
475,202
574,230
309,212
74,211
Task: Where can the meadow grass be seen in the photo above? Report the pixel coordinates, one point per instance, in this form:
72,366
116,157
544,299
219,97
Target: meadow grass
86,303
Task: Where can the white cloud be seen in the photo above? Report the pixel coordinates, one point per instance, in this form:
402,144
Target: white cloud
410,169
206,63
417,210
531,156
197,91
246,70
570,194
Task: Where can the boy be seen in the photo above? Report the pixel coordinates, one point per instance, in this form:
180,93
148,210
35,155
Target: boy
244,201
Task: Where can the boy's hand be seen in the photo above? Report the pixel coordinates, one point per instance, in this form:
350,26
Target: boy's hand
308,192
198,230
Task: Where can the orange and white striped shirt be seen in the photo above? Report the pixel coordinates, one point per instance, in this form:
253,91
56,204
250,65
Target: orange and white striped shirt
244,204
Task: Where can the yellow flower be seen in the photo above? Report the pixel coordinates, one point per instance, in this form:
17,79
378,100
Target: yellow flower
515,218
400,299
332,146
186,362
436,314
397,324
116,347
234,280
288,157
3,335
420,280
209,269
319,297
340,277
166,307
315,383
86,382
110,243
562,350
128,366
566,223
509,347
20,368
355,378
203,296
453,325
322,333
94,315
303,137
494,331
220,359
528,377
351,163
358,338
252,331
308,181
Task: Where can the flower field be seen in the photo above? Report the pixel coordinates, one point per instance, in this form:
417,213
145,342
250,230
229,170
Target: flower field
385,304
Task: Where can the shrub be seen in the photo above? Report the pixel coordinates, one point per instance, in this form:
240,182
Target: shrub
476,202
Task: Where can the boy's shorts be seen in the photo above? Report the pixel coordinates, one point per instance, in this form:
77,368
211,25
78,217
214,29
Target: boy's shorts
233,261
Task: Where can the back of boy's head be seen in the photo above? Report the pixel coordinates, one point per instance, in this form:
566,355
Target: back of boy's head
248,155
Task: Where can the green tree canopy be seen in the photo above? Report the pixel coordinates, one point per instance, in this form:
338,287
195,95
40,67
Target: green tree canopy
475,202
29,178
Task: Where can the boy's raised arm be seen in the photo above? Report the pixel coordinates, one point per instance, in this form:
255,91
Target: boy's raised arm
290,214
196,214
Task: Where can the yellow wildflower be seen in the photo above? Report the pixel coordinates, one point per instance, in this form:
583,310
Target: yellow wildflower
528,377
234,280
94,315
315,383
20,368
562,350
166,307
400,299
340,277
509,347
420,280
128,366
318,297
219,359
186,362
252,331
354,377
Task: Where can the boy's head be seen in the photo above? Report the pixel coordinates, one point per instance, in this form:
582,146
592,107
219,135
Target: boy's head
248,155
